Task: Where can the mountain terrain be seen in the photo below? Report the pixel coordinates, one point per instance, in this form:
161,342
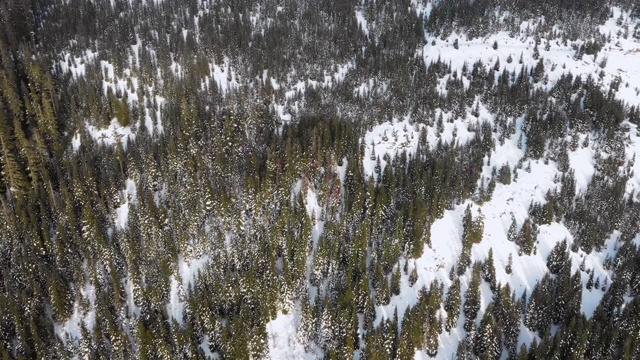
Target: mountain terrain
286,179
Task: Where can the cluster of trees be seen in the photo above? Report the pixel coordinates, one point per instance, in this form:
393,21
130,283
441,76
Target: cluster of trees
229,181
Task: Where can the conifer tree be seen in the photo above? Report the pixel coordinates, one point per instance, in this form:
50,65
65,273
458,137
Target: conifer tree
489,270
509,267
452,305
472,301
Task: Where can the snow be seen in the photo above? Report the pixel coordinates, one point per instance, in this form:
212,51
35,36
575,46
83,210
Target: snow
136,52
188,271
583,165
176,69
509,200
207,351
631,151
283,342
75,142
129,195
514,199
107,70
126,86
134,310
312,205
224,76
342,170
281,114
148,121
342,71
391,139
122,215
394,137
314,210
76,65
622,56
362,22
175,307
160,103
113,134
70,330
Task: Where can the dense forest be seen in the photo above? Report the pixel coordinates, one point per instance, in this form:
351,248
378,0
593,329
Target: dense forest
182,177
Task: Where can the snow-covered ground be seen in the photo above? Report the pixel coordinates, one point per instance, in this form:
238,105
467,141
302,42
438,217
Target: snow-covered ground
129,196
126,86
187,271
283,341
507,201
394,137
70,330
618,60
223,76
111,135
620,56
631,151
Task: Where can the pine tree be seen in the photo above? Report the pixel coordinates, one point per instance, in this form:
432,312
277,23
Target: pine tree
559,257
413,277
452,305
488,339
489,270
509,267
12,172
472,301
536,52
589,284
512,234
382,288
395,281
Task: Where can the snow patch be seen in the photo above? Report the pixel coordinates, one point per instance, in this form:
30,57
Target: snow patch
76,142
362,22
583,165
187,270
283,342
129,195
112,135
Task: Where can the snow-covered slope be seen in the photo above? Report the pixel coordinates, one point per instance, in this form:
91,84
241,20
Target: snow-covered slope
616,62
509,200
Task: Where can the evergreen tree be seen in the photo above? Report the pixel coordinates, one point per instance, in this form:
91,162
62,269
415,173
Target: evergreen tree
472,301
488,339
452,305
509,267
489,270
558,259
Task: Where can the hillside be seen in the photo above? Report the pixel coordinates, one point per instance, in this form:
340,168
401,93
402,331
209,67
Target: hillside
222,179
